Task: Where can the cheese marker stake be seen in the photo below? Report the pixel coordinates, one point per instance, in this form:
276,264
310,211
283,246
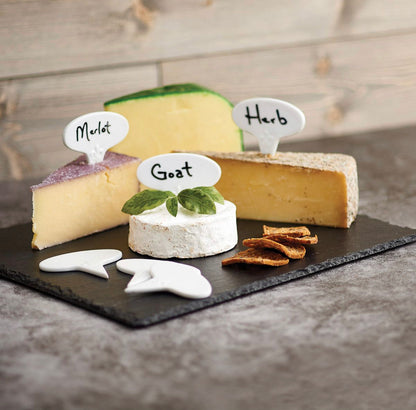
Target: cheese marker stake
269,120
94,133
178,171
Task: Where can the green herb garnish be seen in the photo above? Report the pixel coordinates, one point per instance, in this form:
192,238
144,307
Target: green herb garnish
195,200
200,200
147,199
172,205
212,193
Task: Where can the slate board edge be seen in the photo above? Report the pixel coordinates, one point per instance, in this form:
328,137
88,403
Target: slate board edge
129,320
273,281
64,294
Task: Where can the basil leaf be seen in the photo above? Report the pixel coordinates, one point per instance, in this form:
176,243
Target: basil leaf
197,201
172,205
144,200
213,193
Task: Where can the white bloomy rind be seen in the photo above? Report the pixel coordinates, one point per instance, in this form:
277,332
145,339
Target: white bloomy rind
188,235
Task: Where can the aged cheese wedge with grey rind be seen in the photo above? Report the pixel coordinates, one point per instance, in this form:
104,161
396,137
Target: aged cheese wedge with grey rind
176,117
80,199
309,188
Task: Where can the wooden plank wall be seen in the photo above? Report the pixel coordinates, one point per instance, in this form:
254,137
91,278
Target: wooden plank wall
350,65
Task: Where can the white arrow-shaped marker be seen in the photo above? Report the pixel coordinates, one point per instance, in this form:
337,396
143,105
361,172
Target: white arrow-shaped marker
154,276
91,261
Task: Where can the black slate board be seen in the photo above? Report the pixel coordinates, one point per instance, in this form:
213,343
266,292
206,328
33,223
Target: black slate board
19,263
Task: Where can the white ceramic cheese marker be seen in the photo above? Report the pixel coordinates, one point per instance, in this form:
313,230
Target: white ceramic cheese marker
94,133
269,120
155,276
91,261
178,171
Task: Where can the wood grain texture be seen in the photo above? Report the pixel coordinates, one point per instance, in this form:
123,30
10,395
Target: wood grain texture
349,64
343,87
48,36
34,112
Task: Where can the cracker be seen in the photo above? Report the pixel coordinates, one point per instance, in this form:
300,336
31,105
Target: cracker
255,256
291,251
304,240
295,231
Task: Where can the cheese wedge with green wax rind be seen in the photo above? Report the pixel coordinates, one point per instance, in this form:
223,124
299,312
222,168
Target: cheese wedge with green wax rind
176,117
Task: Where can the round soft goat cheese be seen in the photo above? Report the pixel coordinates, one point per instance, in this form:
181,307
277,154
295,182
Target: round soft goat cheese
188,235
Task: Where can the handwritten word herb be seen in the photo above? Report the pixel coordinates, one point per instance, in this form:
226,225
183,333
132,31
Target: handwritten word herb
263,119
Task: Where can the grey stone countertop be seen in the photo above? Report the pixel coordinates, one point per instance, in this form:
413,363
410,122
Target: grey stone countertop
341,339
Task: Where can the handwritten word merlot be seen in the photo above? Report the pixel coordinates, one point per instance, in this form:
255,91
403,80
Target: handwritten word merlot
84,130
163,175
261,119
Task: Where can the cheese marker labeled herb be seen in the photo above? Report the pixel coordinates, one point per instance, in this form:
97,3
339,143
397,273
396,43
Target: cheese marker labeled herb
200,200
269,120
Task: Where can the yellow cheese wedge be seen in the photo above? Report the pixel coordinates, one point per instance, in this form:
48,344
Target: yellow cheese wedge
307,188
176,117
80,199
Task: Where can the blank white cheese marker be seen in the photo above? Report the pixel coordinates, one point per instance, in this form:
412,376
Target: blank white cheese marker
94,133
91,261
155,276
269,120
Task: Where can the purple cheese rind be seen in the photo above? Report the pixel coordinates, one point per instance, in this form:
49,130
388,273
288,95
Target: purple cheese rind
80,168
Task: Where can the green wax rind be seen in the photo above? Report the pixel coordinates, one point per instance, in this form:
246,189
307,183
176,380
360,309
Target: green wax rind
171,89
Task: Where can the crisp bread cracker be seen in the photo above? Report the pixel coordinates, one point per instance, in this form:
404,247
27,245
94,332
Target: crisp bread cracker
304,240
295,231
256,256
291,251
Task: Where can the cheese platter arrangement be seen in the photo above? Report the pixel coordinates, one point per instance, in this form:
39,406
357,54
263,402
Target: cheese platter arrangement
164,213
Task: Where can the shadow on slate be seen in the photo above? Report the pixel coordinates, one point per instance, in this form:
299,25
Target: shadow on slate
19,263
